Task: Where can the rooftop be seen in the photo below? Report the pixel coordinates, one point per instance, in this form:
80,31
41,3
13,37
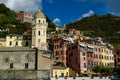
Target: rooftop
39,14
59,65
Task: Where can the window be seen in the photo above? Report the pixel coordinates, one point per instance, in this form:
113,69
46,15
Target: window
84,58
91,55
83,53
10,43
38,32
94,56
99,56
39,21
11,65
26,44
84,65
102,56
16,44
26,65
88,62
10,36
60,52
56,58
62,74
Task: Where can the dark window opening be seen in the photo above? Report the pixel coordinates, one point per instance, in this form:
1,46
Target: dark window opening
26,65
11,65
16,44
26,44
10,43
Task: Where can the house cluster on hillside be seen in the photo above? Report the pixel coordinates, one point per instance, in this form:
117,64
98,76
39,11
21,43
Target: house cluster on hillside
73,53
81,53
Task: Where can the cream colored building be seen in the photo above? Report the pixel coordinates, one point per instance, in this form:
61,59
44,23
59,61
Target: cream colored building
39,31
2,42
60,70
14,40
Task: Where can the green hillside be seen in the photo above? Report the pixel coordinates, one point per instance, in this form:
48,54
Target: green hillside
8,21
105,26
13,26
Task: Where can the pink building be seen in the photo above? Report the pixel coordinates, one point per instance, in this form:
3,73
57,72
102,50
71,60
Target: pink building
59,48
25,17
83,56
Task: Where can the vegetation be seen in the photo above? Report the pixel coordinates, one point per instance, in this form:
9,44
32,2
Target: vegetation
8,22
105,26
102,69
10,25
51,25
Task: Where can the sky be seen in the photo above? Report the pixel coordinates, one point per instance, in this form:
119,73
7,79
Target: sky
66,11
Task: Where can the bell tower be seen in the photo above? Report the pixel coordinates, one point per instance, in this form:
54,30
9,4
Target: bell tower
39,27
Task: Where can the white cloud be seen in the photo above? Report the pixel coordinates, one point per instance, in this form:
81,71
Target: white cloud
57,21
20,5
90,13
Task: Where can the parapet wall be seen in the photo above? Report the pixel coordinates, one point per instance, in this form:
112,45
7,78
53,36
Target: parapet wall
24,74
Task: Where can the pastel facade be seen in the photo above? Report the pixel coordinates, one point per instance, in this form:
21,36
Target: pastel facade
90,57
2,42
14,40
110,57
23,16
83,57
59,48
63,72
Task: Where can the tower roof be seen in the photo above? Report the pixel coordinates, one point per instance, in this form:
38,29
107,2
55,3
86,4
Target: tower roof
39,14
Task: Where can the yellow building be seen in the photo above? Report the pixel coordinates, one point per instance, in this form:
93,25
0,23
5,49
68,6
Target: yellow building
2,42
104,61
59,70
14,40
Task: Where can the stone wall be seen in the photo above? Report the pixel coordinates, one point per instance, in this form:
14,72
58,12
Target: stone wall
44,60
25,74
18,58
39,64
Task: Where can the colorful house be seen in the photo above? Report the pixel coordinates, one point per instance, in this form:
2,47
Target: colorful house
60,70
14,40
2,42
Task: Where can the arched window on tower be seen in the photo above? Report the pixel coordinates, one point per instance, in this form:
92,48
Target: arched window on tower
43,21
39,21
38,32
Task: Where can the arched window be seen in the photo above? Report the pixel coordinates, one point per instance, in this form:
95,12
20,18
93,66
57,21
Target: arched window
43,21
39,21
38,32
